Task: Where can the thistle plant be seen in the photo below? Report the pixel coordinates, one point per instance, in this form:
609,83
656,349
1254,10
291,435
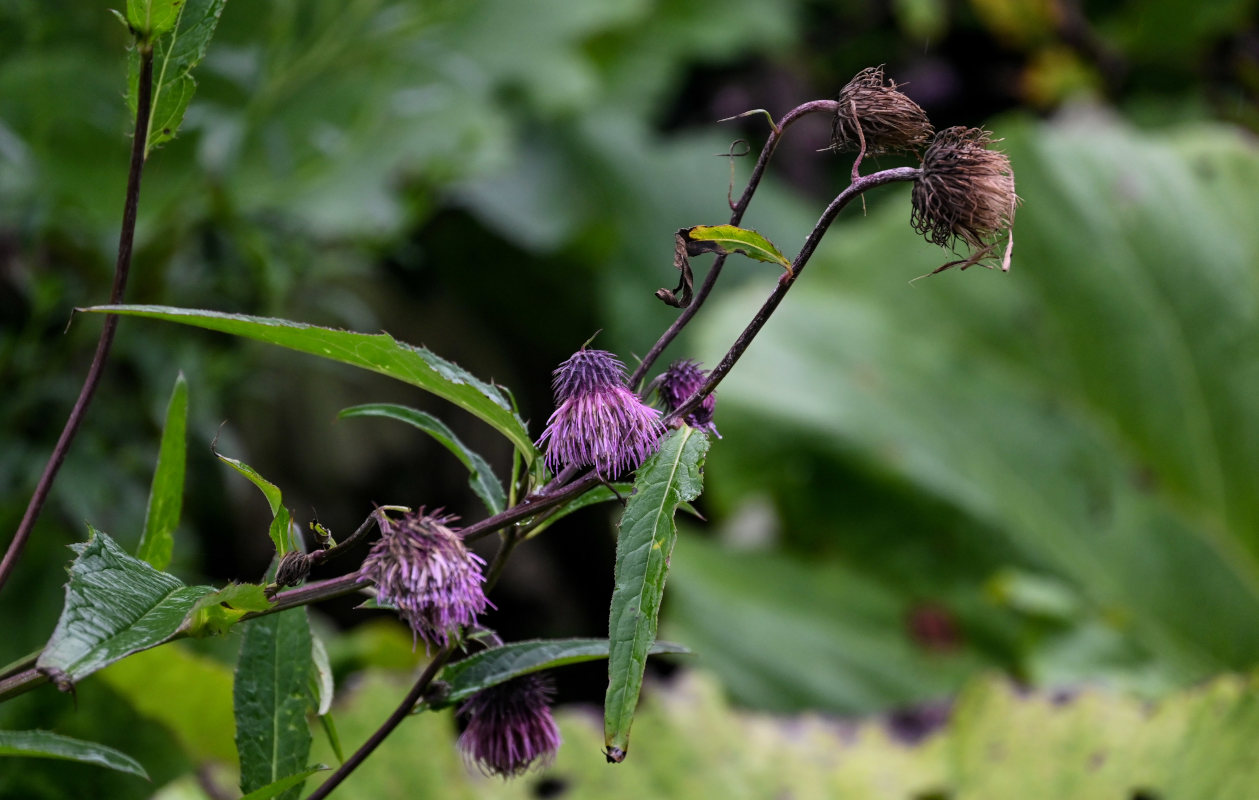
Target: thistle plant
602,428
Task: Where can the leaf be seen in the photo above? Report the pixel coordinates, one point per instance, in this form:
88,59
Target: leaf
271,699
189,694
647,533
281,520
376,352
727,239
481,477
277,788
157,542
496,665
215,613
599,494
115,605
686,281
180,32
45,744
321,683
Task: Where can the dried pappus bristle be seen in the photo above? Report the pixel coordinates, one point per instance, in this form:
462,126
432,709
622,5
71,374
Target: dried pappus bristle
875,111
966,193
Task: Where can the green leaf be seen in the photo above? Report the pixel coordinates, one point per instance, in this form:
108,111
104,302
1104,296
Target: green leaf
190,694
281,520
727,239
45,744
496,665
277,788
272,695
599,494
157,542
376,352
321,683
115,605
481,477
180,37
669,477
215,613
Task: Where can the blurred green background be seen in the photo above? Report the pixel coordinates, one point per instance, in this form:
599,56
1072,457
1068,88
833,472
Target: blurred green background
1049,474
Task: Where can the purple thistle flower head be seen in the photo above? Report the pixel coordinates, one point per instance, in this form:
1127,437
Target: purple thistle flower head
421,567
598,421
510,727
675,386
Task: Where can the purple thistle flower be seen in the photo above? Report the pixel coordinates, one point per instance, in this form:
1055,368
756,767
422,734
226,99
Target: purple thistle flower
421,567
510,727
675,386
598,421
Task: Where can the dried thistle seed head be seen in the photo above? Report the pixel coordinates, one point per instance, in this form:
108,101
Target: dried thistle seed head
675,386
421,567
966,193
877,112
510,727
598,422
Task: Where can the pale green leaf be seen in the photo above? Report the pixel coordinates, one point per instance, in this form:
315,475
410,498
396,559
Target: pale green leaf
727,239
281,535
157,542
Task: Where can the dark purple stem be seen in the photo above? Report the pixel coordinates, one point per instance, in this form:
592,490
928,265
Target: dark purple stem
122,267
740,345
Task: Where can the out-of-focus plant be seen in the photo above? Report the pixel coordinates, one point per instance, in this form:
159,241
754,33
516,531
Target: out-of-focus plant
603,442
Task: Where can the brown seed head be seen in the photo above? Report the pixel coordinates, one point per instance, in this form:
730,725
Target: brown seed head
876,111
965,192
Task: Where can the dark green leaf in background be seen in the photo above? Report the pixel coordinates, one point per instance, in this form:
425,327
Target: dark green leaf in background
115,605
481,478
45,744
671,476
272,696
496,665
157,542
376,352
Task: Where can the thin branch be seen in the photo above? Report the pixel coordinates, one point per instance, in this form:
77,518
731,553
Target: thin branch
855,189
122,267
736,216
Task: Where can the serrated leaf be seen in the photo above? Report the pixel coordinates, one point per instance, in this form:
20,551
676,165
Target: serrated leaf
152,17
727,239
179,44
214,613
671,476
278,787
379,353
115,605
271,699
281,535
481,478
496,665
157,542
45,744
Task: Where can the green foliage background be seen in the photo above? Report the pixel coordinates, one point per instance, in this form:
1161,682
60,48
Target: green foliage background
1048,474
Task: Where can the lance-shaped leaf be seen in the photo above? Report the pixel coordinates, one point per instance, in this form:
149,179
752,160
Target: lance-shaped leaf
671,476
376,352
279,787
179,33
281,519
157,542
727,239
272,695
45,744
499,664
115,605
481,478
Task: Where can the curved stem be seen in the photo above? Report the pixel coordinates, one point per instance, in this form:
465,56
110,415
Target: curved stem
785,283
122,267
736,216
400,713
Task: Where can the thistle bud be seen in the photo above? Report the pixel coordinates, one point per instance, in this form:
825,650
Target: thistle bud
965,192
509,727
421,567
598,421
877,114
675,386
